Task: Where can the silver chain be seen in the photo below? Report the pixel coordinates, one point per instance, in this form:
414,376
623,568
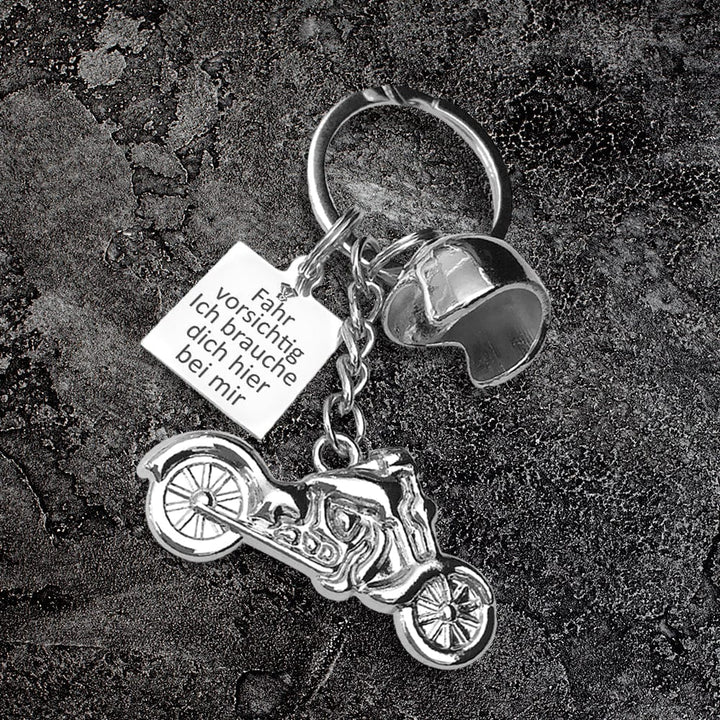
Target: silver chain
365,298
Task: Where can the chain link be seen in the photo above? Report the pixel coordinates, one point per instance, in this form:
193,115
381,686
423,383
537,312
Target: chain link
365,298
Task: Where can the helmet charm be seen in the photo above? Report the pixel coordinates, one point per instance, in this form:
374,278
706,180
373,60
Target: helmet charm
475,292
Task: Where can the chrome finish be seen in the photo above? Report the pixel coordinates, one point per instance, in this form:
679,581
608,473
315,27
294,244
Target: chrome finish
404,245
336,401
311,267
246,338
341,444
470,291
365,298
474,292
463,124
364,531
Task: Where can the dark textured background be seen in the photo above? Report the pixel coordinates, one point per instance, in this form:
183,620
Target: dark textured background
141,139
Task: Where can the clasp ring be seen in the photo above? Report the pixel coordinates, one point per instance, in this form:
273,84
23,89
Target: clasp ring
348,447
465,126
310,270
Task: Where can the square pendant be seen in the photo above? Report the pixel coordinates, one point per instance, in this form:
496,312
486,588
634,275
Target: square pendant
245,339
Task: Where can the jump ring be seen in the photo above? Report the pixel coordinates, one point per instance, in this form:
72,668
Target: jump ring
311,268
352,451
404,244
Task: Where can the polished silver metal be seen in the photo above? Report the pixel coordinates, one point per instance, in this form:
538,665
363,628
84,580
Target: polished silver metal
246,339
312,265
365,299
364,531
335,401
381,261
463,124
474,292
471,291
340,444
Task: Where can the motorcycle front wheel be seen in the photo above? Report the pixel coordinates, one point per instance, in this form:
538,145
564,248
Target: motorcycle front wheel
450,621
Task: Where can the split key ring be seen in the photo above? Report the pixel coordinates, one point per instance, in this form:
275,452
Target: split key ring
463,124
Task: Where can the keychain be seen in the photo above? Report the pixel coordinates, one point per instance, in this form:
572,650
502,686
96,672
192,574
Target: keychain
249,337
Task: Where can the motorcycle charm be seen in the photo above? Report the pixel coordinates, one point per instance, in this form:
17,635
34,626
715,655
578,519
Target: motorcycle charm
363,531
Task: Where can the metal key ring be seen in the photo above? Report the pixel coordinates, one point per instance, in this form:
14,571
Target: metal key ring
465,126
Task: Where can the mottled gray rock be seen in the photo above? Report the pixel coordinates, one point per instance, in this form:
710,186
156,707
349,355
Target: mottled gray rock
141,139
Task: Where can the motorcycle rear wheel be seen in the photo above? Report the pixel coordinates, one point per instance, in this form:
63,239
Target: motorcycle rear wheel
171,507
450,622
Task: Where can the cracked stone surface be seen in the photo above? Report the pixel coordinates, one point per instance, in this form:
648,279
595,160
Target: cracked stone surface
140,139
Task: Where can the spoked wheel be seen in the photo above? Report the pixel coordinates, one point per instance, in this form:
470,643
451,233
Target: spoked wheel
172,514
451,620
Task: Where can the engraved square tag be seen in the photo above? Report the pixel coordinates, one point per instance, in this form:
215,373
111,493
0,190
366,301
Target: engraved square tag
245,339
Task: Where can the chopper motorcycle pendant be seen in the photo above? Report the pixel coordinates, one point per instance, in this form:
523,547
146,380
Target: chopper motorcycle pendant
363,531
